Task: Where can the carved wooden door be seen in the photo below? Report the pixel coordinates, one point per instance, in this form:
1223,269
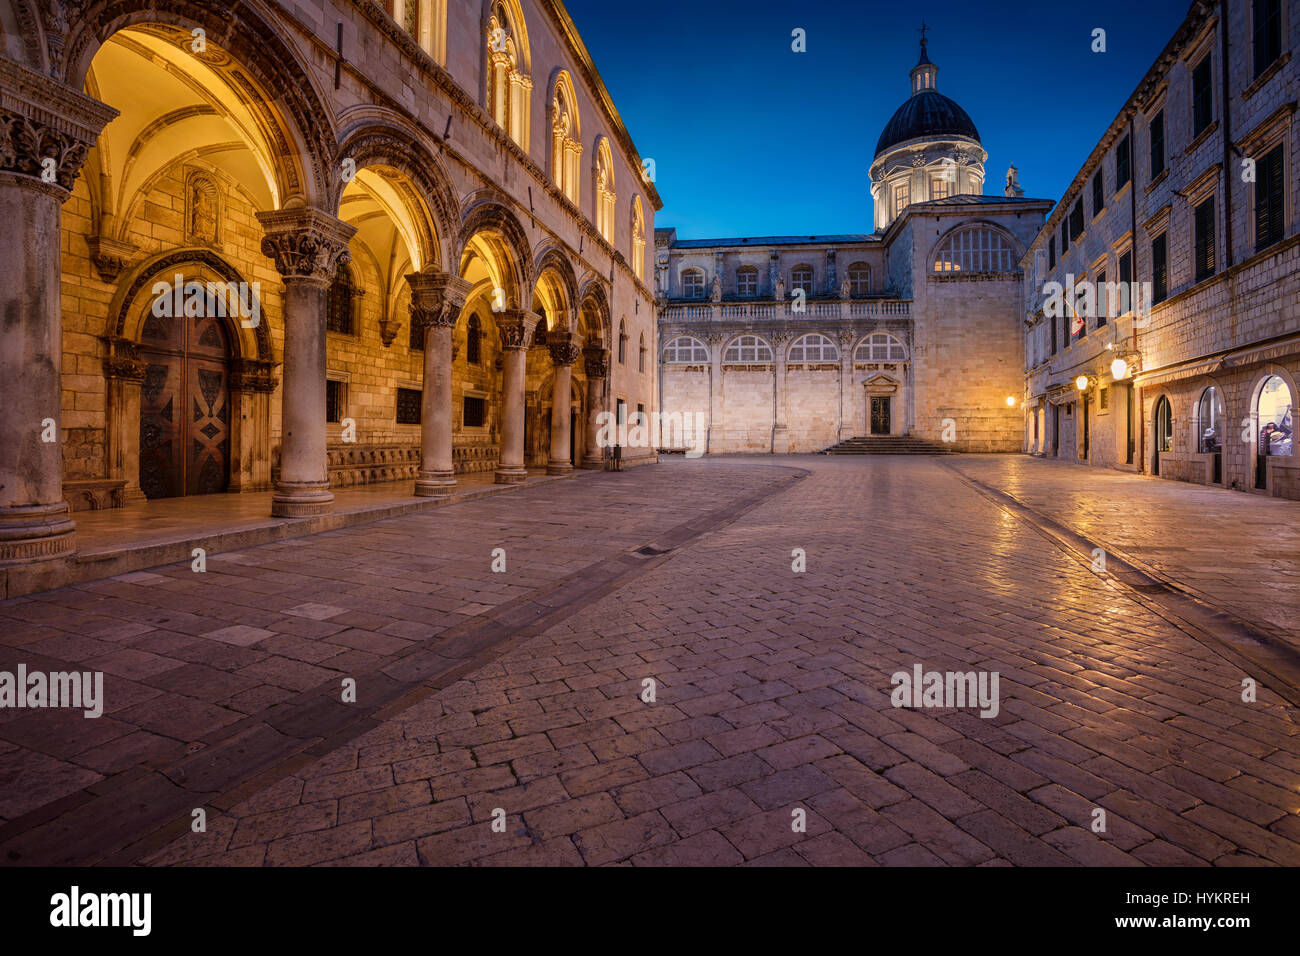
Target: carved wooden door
880,415
185,405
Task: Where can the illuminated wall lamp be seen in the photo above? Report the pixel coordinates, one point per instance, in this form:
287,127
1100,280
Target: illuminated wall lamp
1119,369
1011,401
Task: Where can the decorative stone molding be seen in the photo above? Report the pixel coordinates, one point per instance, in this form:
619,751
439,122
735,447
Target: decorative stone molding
43,120
252,375
595,361
123,360
515,327
110,257
305,243
565,347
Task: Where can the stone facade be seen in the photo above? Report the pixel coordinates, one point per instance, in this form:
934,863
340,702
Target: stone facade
1210,193
314,162
792,344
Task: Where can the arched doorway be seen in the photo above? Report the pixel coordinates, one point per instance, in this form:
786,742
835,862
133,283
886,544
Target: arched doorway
185,396
1275,421
1164,432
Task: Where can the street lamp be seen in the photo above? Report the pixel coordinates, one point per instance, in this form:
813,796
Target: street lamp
1081,383
1119,369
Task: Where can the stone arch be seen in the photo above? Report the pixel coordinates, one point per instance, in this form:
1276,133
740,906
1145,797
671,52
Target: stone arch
124,319
381,140
594,310
974,226
552,267
487,216
267,75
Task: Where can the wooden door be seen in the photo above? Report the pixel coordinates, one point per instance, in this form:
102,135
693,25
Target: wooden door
185,405
880,417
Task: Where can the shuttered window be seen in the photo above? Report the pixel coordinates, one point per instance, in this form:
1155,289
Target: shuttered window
1205,240
1270,199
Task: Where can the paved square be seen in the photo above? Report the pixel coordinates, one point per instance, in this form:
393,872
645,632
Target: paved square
520,698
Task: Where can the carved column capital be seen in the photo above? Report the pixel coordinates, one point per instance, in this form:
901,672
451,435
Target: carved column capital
110,257
123,360
304,242
595,361
565,347
252,375
437,297
515,326
46,128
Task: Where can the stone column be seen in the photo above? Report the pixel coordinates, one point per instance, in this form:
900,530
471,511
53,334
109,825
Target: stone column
596,365
564,352
124,373
780,429
515,327
847,394
716,411
436,302
46,130
307,246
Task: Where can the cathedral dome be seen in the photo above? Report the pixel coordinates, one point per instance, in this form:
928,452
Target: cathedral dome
926,114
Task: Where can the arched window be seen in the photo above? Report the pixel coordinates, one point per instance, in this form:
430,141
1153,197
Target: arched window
747,282
1164,425
748,349
426,22
638,238
814,347
565,133
801,277
859,280
693,284
1210,422
1276,411
880,347
622,343
474,341
508,86
975,249
640,365
338,315
604,185
685,350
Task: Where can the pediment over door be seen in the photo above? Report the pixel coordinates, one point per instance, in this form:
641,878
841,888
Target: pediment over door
880,385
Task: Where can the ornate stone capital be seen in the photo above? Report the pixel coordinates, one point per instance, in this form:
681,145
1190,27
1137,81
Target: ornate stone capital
304,242
595,361
515,326
110,257
252,375
123,360
565,347
46,128
437,297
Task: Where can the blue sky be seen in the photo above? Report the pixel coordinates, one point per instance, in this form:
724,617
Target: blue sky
750,138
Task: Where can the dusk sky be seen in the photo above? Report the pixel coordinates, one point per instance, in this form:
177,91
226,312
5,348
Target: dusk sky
750,138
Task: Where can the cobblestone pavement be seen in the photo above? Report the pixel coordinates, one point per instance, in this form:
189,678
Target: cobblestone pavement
1240,551
773,696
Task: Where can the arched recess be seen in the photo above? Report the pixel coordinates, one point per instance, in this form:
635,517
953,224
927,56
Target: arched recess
565,124
507,68
556,285
190,372
974,248
490,231
385,145
1273,396
245,65
604,196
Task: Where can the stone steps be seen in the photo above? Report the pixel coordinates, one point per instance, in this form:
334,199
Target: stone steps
887,445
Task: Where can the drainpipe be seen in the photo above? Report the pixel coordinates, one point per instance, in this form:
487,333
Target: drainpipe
1227,139
1136,395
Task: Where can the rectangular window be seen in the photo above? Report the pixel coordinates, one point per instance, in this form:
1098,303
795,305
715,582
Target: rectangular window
1202,96
1270,199
408,406
1098,193
1076,219
475,412
620,412
1123,164
1159,268
1103,399
1158,144
1125,283
747,282
1065,235
938,187
1054,345
801,279
1051,253
1102,303
335,398
1205,239
900,199
1267,15
693,284
640,415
